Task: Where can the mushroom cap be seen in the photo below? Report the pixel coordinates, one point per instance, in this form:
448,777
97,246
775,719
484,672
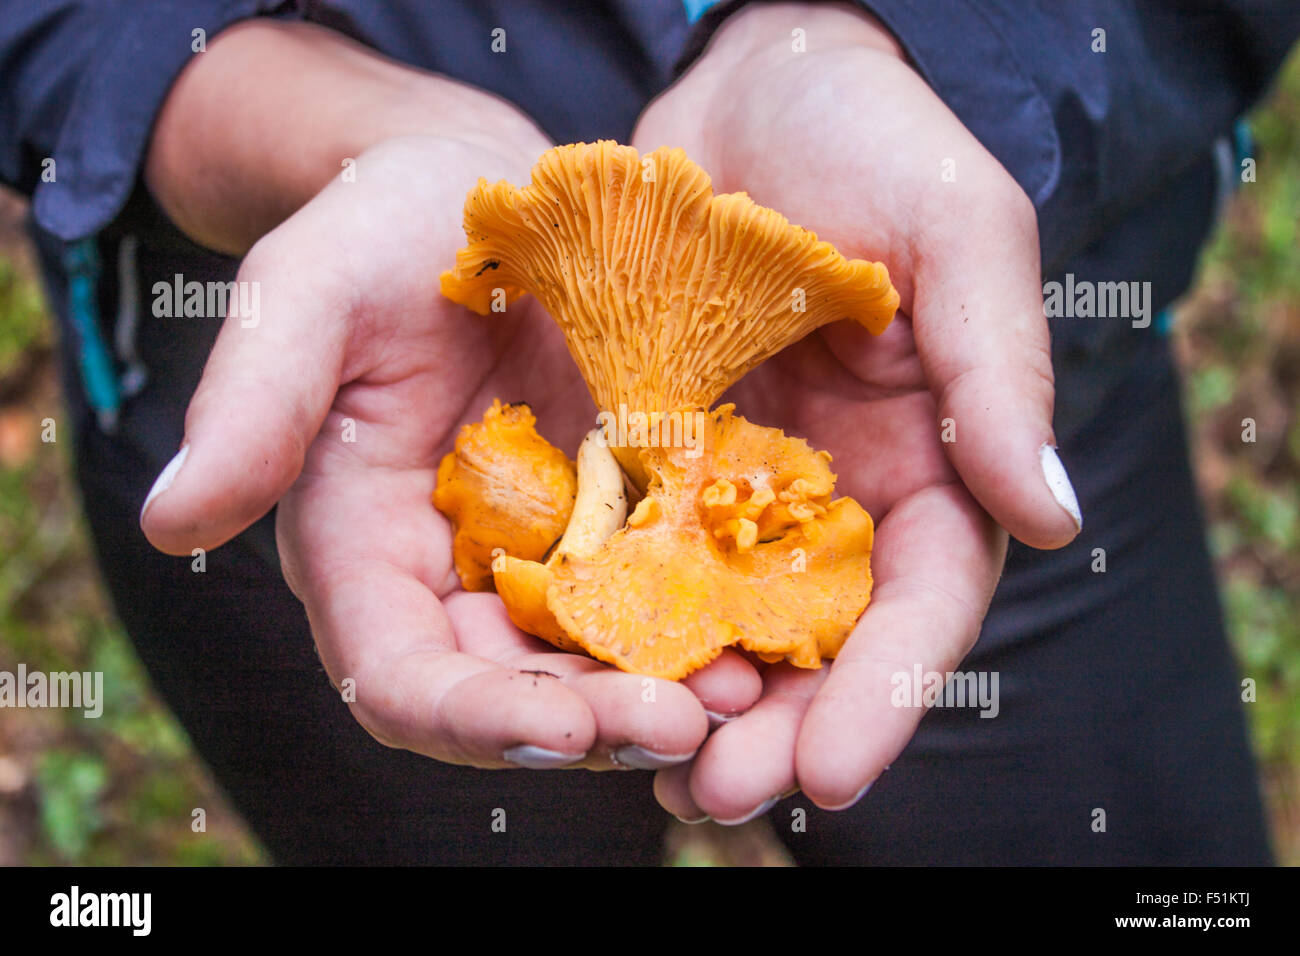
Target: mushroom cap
522,585
506,491
667,294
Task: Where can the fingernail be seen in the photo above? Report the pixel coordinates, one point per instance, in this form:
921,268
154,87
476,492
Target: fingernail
1059,482
860,794
165,479
703,819
758,811
539,758
716,720
638,758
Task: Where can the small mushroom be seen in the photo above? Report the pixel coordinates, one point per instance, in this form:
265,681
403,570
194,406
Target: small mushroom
667,294
506,490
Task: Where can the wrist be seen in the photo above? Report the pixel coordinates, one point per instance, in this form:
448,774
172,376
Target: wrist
752,72
767,34
257,125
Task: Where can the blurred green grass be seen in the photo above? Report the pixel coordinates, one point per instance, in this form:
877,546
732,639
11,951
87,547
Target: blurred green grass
1238,335
123,788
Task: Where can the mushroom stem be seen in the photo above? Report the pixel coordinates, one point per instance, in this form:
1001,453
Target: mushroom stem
600,507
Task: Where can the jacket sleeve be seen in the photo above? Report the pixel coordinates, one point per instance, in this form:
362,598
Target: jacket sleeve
80,84
1092,105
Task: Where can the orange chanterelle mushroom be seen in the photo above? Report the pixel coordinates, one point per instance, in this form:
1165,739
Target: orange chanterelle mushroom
666,294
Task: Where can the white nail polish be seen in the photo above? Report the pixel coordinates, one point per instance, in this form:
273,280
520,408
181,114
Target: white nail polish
758,811
858,796
638,758
538,758
1059,482
716,720
165,479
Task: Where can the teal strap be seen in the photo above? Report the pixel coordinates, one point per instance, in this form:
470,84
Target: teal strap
1243,143
98,377
1164,321
698,8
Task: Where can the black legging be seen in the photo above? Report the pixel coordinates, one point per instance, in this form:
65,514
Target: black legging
1117,691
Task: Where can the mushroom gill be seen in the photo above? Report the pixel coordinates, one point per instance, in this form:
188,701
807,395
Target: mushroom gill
666,293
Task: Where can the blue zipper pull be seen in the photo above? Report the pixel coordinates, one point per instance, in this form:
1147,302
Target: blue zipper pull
98,378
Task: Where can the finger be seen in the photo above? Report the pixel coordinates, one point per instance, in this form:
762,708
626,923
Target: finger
642,723
984,345
379,626
412,689
672,788
936,561
265,391
726,688
749,764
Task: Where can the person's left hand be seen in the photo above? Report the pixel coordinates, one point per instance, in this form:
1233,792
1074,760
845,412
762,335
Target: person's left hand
940,423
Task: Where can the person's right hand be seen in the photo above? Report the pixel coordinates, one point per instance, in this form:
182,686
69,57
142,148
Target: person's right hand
941,427
339,402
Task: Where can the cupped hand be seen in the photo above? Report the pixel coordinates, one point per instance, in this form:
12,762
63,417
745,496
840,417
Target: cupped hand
337,400
941,427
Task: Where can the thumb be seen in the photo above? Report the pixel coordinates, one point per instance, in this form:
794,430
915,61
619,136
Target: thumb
265,391
984,345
